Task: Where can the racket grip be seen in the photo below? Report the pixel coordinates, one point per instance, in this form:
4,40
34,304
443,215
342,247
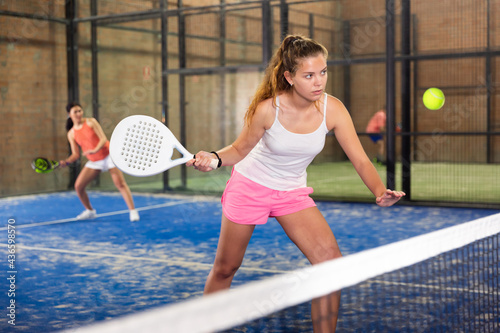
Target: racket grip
214,163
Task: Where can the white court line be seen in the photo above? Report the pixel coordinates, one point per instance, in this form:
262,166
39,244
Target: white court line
74,219
120,256
167,261
428,286
252,269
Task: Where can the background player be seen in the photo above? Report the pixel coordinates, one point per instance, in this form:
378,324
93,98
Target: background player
88,134
376,128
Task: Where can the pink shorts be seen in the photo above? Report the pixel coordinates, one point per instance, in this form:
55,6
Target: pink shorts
246,202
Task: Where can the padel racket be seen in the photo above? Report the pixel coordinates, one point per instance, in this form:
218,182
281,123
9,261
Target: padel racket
143,146
44,165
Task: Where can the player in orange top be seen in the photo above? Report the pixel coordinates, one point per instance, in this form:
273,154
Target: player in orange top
376,129
376,126
88,134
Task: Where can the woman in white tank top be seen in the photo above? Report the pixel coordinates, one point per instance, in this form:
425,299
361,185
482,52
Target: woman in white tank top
285,127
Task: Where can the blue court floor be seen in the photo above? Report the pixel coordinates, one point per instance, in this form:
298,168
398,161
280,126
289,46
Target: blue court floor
70,273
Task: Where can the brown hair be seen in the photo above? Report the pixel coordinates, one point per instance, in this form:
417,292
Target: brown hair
287,57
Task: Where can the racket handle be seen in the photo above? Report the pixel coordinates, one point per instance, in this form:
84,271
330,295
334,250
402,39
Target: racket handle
213,164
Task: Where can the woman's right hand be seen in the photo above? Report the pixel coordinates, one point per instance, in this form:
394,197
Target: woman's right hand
202,161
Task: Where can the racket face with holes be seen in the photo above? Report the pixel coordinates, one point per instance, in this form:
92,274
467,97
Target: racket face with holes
143,146
44,165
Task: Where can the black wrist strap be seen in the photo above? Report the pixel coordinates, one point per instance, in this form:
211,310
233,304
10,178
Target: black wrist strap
220,161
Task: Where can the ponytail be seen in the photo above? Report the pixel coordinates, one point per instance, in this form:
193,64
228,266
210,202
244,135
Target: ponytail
69,124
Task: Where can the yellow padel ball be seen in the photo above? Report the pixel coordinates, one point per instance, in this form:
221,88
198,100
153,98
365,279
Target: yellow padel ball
433,99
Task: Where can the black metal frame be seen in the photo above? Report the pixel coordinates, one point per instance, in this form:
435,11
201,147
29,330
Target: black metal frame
390,74
164,78
406,97
72,71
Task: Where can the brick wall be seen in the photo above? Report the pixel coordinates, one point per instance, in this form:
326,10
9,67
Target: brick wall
33,93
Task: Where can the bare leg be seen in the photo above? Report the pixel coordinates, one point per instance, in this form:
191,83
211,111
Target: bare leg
122,186
324,313
82,181
233,242
311,233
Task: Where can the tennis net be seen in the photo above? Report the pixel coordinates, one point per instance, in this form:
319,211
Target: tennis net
444,281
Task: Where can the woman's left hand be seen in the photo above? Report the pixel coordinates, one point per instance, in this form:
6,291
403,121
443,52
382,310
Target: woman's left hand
389,198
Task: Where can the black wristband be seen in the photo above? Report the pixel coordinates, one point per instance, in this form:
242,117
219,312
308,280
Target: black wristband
220,161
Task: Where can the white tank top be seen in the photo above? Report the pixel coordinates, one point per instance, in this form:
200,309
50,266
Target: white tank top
280,159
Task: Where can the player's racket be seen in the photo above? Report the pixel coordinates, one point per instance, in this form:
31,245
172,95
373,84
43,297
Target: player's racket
142,146
44,165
